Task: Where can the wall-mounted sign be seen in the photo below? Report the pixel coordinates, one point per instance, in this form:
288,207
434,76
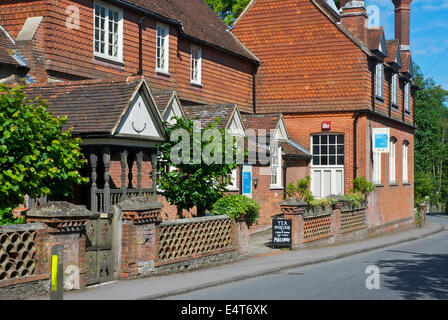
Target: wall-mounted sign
281,233
247,181
381,138
326,125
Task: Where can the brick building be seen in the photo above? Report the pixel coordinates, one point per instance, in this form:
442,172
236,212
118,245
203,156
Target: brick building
334,79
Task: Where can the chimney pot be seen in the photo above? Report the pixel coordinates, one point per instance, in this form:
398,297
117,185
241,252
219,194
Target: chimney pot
402,22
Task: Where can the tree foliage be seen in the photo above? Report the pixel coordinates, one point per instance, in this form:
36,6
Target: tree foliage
228,10
431,137
37,157
195,184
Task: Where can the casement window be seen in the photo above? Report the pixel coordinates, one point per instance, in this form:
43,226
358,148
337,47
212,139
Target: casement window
379,80
395,90
108,35
162,58
393,142
405,161
377,167
196,65
327,168
232,180
276,168
407,88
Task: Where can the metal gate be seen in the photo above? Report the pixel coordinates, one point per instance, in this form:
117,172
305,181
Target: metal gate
99,255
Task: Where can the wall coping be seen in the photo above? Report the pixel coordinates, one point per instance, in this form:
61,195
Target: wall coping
294,202
59,209
193,220
22,227
139,204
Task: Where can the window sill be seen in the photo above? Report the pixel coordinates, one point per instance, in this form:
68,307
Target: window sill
196,84
163,73
232,189
407,113
406,184
393,184
275,188
110,61
379,99
379,185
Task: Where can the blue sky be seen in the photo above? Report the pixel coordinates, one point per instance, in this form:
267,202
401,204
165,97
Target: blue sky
429,34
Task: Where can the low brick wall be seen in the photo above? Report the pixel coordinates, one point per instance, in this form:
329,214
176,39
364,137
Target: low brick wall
23,261
327,226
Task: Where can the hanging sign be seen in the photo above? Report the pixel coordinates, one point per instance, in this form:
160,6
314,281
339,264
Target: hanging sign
381,138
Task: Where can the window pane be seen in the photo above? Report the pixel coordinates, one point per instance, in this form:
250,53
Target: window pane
323,149
340,139
332,150
332,161
340,150
316,150
315,139
324,139
316,161
340,160
324,160
332,139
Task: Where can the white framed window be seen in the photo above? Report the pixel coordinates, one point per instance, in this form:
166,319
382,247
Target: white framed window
379,80
162,48
276,167
108,32
327,168
232,179
395,90
407,88
393,142
405,162
377,167
196,65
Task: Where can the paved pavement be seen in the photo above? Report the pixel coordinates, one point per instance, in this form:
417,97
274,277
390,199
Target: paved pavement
177,284
411,270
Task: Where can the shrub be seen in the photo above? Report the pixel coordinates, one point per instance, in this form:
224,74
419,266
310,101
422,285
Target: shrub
361,185
237,207
300,190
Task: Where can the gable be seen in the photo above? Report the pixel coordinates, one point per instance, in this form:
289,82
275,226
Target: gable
141,119
236,126
172,110
383,47
280,131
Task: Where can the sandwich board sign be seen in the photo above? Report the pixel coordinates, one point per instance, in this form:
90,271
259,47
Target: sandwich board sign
381,140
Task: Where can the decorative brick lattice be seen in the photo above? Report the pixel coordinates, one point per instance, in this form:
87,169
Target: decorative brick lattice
352,220
194,240
316,227
17,250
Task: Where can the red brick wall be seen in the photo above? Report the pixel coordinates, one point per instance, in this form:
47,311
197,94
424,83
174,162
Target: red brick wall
69,53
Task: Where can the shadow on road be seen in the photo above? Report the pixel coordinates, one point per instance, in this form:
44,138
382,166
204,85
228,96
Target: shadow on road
422,276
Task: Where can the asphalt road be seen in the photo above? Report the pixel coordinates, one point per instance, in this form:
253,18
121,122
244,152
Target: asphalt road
413,270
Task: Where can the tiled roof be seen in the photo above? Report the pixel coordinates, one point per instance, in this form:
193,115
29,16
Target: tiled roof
374,38
208,113
162,98
261,121
293,149
198,21
7,49
92,106
392,47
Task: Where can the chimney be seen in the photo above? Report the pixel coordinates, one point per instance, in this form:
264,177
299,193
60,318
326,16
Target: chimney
354,18
342,3
402,22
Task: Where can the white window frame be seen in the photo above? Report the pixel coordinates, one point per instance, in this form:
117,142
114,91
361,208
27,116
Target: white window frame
105,55
197,65
379,73
334,169
395,90
377,168
392,158
165,48
233,183
276,168
405,162
407,90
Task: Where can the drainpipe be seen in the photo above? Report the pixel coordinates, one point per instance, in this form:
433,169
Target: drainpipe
254,90
140,45
285,166
355,146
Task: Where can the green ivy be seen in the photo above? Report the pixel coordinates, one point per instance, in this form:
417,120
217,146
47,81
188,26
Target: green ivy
237,207
37,158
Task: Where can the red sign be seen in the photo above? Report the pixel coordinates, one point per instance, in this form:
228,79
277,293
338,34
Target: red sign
326,125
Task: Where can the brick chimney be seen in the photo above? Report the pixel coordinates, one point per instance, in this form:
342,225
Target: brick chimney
354,18
402,22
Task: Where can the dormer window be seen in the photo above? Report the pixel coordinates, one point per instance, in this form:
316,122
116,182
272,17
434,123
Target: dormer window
407,88
162,53
379,80
196,65
395,90
108,35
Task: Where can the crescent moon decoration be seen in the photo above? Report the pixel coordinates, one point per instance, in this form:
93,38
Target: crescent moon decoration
139,122
136,130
